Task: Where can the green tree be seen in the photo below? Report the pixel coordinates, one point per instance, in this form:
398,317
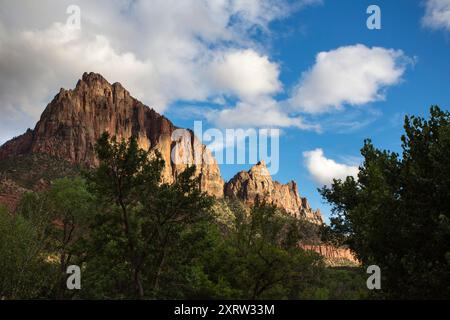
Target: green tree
60,218
24,273
396,214
139,219
261,258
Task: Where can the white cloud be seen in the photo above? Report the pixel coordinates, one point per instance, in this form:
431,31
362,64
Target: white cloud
245,73
262,113
67,51
324,170
162,51
352,75
437,14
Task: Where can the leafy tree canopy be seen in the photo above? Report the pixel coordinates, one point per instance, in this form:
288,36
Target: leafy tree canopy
396,213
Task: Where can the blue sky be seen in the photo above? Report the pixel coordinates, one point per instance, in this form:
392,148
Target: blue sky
294,43
310,68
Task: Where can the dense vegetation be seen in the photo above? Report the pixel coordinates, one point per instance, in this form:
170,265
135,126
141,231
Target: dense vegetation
135,237
397,213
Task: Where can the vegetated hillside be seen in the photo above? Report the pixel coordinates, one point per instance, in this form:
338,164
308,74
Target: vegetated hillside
30,172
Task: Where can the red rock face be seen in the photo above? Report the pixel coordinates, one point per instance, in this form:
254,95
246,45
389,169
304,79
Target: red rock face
75,119
18,145
72,123
257,185
334,256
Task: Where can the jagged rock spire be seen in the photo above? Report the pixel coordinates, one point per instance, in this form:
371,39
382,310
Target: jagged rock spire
257,185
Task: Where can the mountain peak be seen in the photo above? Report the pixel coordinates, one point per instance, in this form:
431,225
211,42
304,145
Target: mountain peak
95,82
92,77
256,185
261,163
74,120
260,169
89,77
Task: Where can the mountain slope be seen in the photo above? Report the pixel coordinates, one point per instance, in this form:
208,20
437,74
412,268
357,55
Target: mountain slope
71,124
74,120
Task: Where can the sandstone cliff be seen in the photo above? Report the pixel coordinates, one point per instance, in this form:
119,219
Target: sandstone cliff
256,185
71,124
69,127
74,120
334,256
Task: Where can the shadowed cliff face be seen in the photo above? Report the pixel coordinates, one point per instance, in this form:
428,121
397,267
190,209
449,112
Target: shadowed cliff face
72,123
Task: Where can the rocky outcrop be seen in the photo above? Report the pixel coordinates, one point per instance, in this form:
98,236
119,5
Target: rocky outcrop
71,124
334,256
18,145
256,185
74,120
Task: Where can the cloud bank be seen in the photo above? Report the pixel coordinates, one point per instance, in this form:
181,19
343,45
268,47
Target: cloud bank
162,51
166,51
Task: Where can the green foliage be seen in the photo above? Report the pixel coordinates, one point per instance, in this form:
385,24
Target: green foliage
140,220
23,271
260,258
135,237
154,240
59,217
396,215
339,283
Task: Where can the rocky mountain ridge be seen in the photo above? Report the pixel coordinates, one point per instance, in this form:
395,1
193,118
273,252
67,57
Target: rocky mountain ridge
256,185
73,121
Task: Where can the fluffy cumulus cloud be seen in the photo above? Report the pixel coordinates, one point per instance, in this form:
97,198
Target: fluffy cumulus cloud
324,170
437,14
245,73
353,75
161,50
